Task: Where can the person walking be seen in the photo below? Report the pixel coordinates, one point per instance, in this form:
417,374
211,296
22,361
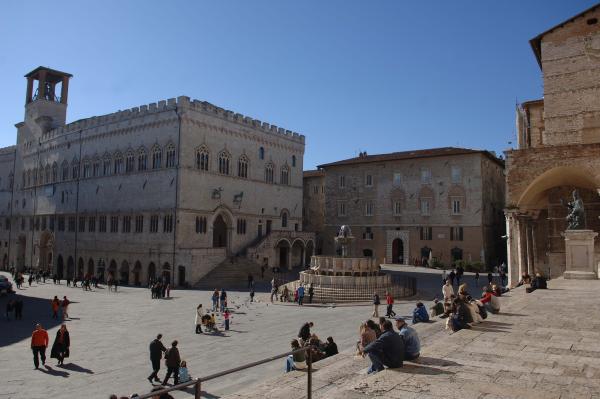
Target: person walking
252,294
311,293
198,320
459,274
301,295
250,280
156,350
39,343
376,303
223,300
274,289
490,278
18,309
389,299
65,307
447,291
477,278
215,300
55,304
226,316
62,342
451,277
172,361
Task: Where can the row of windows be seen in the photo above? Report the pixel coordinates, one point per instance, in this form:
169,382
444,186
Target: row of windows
425,206
455,176
243,162
102,224
114,224
108,165
425,233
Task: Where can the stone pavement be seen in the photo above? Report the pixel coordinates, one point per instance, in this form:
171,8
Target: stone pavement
543,345
110,333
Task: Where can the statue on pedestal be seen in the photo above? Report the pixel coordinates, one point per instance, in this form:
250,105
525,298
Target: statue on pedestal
576,216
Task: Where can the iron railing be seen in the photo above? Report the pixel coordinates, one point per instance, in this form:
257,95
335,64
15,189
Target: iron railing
197,383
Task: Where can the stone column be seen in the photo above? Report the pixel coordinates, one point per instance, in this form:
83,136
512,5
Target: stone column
511,250
64,91
535,258
29,90
521,246
303,258
529,234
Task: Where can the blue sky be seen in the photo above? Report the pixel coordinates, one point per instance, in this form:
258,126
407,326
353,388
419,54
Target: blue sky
375,76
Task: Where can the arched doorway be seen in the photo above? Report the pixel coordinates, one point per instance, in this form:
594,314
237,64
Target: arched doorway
283,248
151,272
181,276
70,268
124,273
80,266
137,270
166,272
219,232
112,269
59,266
298,253
21,248
46,246
398,251
90,268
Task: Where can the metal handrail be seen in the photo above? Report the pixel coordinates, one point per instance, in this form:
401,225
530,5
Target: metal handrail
197,382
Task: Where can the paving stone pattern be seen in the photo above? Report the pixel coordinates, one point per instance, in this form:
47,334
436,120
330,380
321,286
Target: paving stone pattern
543,345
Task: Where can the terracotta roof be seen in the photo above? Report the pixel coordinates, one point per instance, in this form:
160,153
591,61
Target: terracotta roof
50,70
536,42
313,173
427,153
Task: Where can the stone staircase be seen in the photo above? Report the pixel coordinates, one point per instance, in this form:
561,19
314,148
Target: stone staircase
232,274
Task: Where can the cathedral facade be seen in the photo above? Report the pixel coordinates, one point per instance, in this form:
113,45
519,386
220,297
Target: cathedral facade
167,189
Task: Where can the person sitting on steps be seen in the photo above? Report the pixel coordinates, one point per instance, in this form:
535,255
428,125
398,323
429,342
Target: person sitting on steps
387,350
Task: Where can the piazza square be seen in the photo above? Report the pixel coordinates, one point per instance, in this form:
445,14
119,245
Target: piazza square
265,201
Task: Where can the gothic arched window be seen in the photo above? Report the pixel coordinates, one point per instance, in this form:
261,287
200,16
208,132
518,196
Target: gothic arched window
106,164
261,153
156,157
142,159
170,156
65,171
75,169
202,158
285,175
224,161
129,161
118,163
243,166
269,172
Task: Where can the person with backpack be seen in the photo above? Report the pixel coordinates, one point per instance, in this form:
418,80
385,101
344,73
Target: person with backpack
172,361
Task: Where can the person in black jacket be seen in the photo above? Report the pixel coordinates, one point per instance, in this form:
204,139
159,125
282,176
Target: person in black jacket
304,333
387,350
330,347
62,342
156,351
538,282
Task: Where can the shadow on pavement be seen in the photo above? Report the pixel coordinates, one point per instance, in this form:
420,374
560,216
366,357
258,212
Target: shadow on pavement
76,367
49,370
35,310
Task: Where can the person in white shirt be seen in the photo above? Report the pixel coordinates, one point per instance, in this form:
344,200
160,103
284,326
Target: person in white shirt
447,291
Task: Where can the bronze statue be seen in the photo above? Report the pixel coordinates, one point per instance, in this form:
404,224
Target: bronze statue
576,216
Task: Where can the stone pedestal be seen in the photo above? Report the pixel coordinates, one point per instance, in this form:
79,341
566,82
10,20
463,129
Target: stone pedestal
579,251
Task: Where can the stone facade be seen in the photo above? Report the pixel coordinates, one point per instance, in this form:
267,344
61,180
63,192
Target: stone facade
558,148
174,187
402,206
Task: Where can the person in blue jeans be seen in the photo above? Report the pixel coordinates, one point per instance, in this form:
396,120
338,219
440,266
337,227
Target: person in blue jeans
300,295
412,344
387,350
223,300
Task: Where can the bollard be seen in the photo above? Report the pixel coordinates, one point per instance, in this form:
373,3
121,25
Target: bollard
198,389
309,375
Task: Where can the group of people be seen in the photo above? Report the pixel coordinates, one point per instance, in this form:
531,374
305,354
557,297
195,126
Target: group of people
461,309
537,282
386,347
60,347
308,345
15,306
297,295
60,306
219,300
176,367
209,320
159,289
389,300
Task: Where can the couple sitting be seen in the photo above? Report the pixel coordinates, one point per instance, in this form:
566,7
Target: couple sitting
391,348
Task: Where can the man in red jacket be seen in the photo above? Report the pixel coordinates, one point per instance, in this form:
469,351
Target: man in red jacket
39,343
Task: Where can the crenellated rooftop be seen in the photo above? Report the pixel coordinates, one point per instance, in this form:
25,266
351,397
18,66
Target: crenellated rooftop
172,104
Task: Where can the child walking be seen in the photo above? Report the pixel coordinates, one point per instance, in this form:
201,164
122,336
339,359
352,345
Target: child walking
226,316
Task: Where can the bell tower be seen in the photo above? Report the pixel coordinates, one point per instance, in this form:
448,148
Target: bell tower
43,105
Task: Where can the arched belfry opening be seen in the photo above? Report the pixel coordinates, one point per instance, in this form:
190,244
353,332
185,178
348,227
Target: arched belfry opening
46,97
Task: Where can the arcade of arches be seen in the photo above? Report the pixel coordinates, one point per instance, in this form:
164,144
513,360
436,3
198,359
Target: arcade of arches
536,220
296,254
